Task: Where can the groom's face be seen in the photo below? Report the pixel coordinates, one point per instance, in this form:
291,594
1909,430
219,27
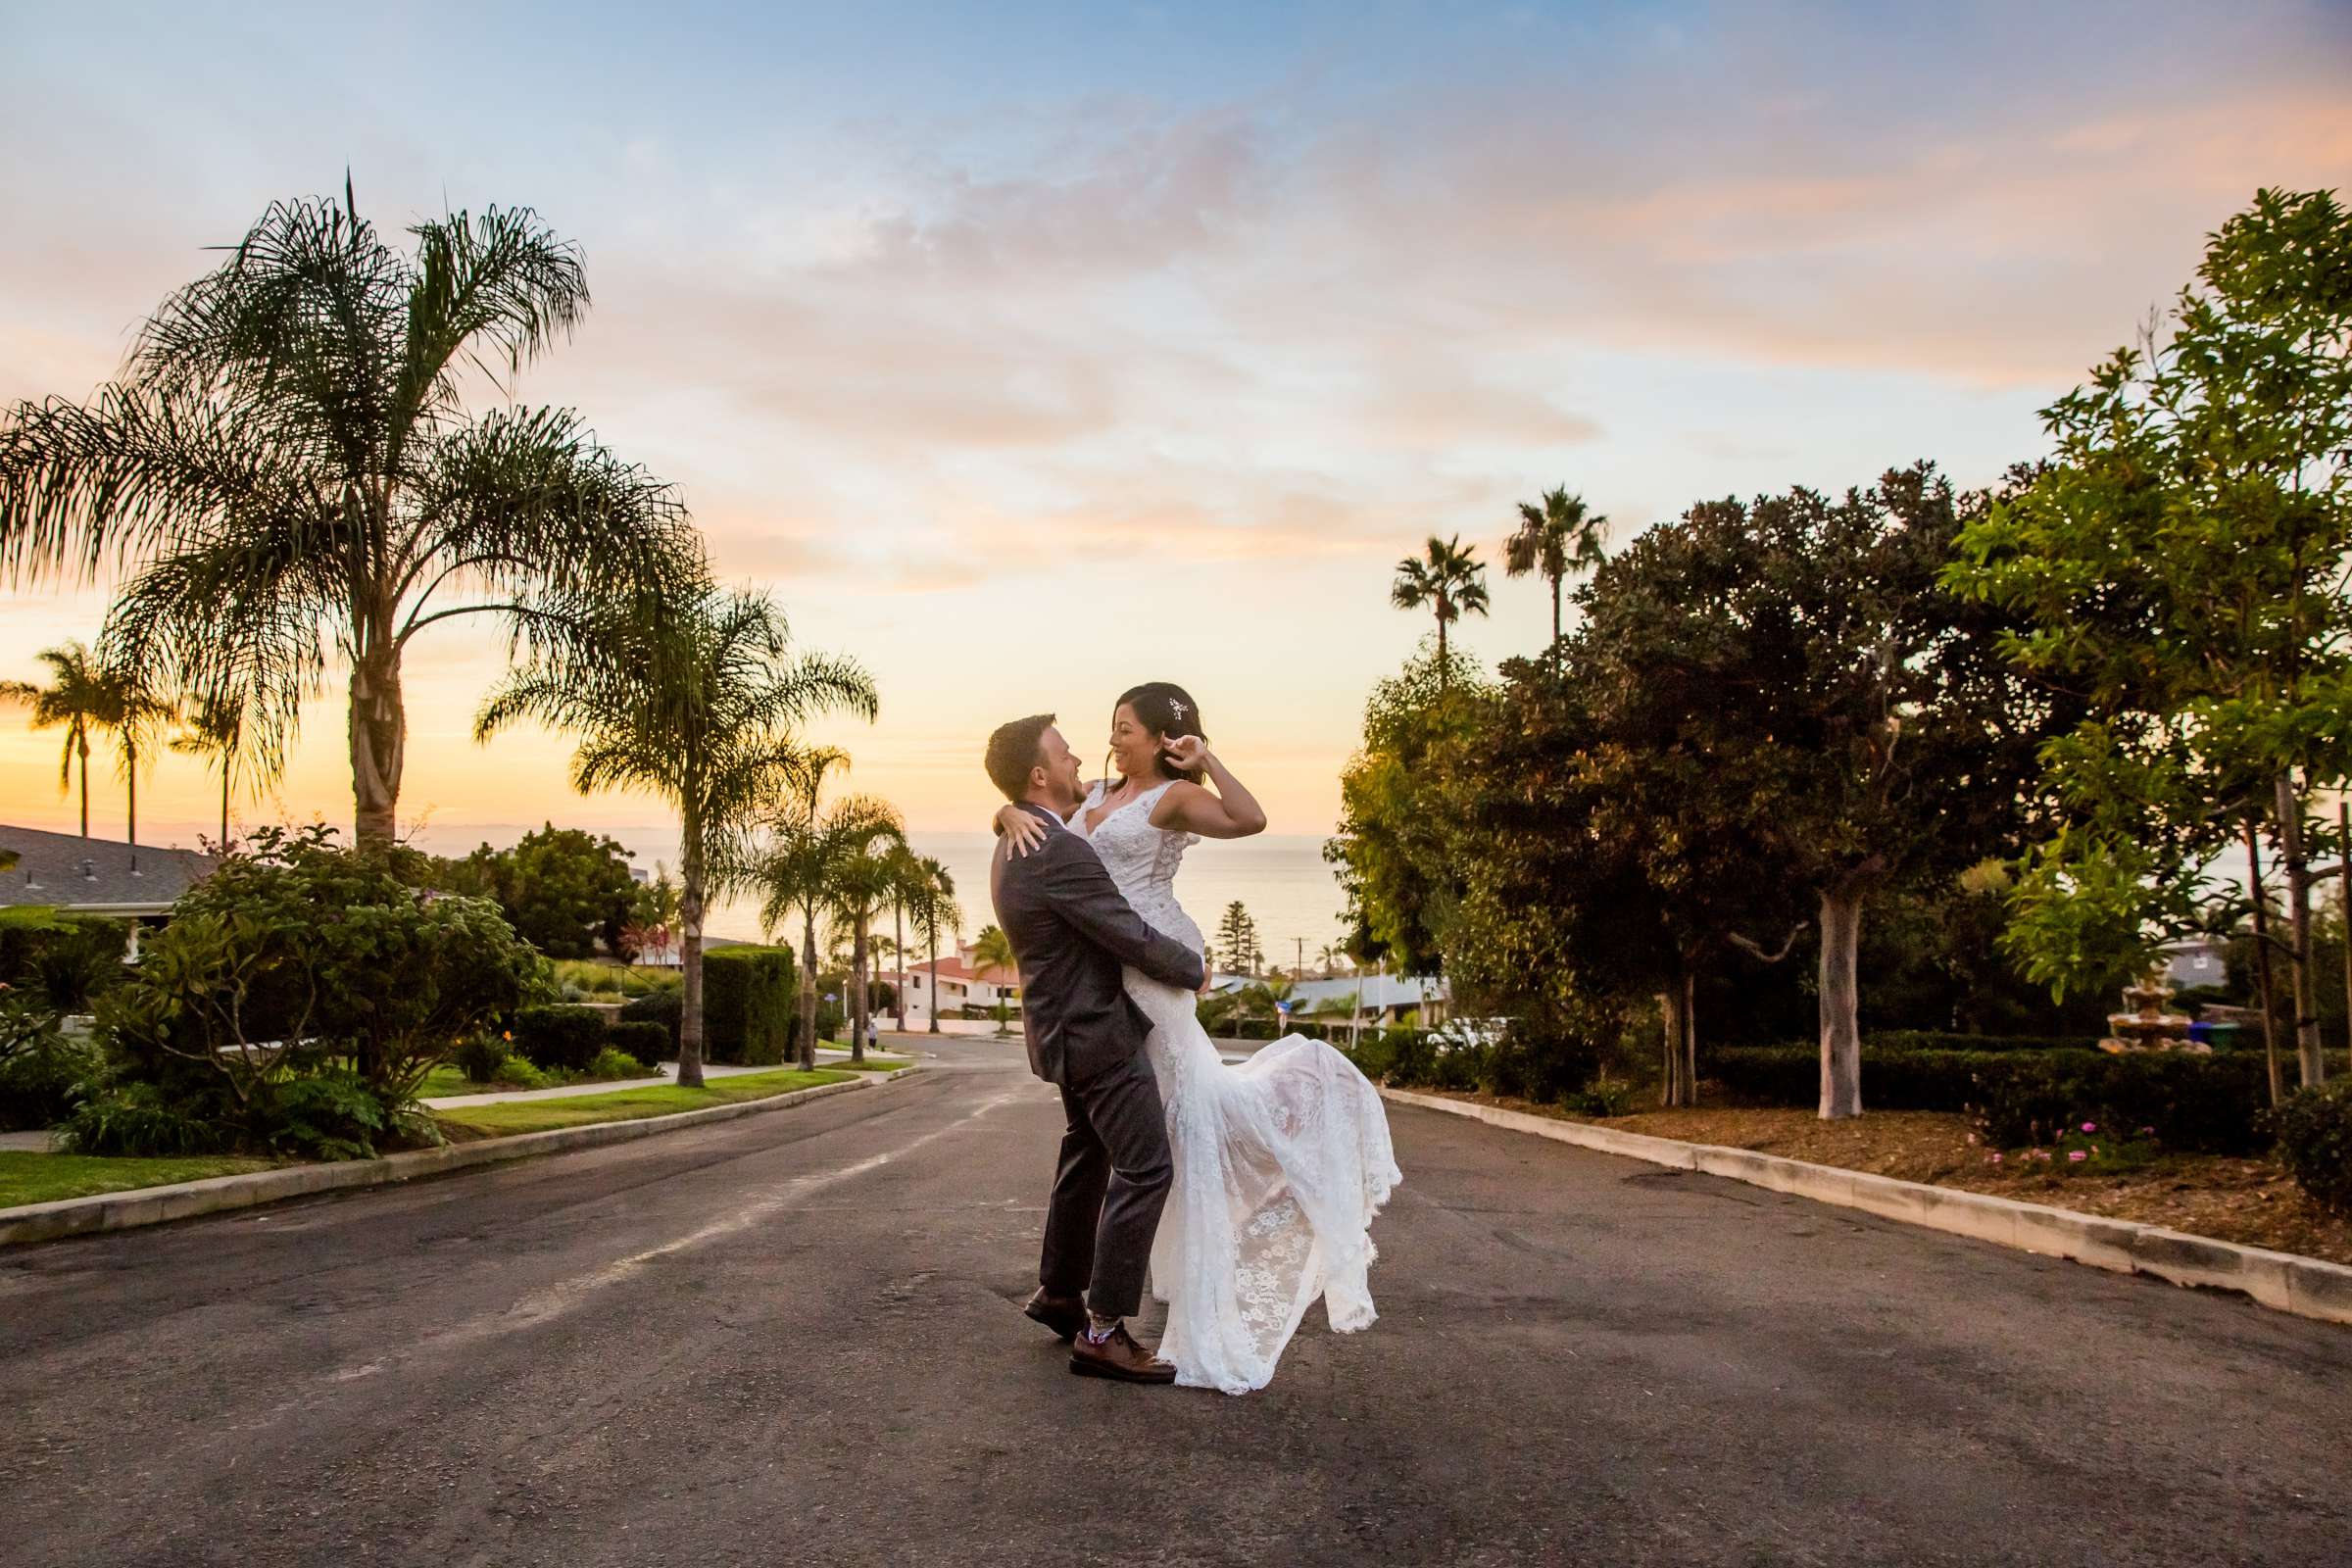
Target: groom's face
1059,764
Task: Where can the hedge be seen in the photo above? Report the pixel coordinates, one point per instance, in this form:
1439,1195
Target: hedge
2211,1104
648,1042
750,1001
2314,1142
1936,1039
662,1008
560,1037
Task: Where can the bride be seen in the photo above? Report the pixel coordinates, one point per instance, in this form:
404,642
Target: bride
1281,1161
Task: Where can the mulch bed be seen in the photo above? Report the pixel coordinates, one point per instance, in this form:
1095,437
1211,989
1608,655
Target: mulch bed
2250,1202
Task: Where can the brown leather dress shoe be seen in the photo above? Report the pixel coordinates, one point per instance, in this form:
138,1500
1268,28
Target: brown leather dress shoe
1118,1357
1065,1315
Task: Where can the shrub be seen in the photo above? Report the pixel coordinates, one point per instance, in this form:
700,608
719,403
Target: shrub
41,1070
2019,1098
748,1001
648,1042
479,1056
67,960
661,1009
2314,1129
132,1118
1602,1096
560,1037
613,1062
519,1071
328,1115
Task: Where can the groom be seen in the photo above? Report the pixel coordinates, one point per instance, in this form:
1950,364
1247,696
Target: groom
1071,931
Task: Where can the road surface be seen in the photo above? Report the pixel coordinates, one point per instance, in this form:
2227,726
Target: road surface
795,1338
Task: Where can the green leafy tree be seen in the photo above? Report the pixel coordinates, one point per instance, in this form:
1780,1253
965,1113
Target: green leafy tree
566,890
1450,580
2182,561
696,698
1557,539
286,471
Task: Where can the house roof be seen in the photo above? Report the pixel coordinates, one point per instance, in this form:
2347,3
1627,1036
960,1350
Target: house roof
72,872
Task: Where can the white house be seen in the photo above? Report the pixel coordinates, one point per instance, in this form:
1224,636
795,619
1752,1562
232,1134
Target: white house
954,983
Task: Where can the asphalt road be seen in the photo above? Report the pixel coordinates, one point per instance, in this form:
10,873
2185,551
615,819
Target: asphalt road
796,1338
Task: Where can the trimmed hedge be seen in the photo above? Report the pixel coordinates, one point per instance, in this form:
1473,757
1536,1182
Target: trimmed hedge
748,1003
560,1037
648,1042
662,1009
2214,1104
2314,1128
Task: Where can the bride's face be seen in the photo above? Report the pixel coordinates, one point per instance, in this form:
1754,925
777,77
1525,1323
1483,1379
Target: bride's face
1134,749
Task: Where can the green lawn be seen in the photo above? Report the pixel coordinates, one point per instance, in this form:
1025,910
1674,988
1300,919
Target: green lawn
628,1104
448,1080
26,1177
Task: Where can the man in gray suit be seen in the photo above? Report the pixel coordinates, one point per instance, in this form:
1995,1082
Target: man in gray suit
1072,931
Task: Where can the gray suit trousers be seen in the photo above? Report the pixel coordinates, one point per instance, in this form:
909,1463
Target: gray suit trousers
1110,1189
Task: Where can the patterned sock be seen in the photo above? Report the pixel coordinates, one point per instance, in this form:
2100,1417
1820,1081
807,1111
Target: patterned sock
1099,1328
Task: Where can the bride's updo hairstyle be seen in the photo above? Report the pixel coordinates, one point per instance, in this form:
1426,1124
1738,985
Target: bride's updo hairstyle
1166,708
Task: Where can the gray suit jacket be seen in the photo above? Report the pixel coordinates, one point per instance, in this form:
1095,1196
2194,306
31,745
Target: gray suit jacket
1072,931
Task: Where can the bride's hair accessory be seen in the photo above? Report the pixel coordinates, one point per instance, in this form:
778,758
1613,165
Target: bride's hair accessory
1166,708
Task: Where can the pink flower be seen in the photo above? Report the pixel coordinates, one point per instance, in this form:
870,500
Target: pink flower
2076,1155
1994,1156
2090,1126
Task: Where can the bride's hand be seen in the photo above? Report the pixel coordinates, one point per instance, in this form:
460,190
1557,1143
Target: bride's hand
1188,753
1023,833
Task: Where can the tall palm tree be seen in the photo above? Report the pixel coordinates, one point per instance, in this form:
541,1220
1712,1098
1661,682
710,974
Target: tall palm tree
991,948
81,696
1557,539
1450,579
792,866
908,885
936,909
138,713
214,728
284,468
861,881
695,700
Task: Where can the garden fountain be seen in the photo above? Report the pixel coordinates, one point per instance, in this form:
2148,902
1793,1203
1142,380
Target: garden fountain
2145,1025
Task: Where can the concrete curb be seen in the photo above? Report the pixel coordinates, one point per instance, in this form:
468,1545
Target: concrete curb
153,1205
2283,1281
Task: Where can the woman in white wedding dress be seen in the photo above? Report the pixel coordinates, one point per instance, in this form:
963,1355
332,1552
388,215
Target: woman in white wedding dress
1281,1160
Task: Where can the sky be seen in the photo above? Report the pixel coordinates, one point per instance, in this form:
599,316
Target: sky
1027,353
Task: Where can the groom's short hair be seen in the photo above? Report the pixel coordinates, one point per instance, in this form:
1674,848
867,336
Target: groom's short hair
1014,750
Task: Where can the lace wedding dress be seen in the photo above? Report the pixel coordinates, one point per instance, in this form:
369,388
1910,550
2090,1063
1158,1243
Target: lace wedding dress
1281,1161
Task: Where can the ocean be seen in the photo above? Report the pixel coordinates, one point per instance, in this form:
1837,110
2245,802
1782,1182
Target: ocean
1281,879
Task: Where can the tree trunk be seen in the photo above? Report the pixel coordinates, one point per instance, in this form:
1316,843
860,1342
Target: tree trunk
378,743
931,976
857,980
2262,963
897,935
85,786
226,762
807,988
1444,672
2310,1058
1555,625
1841,1000
131,758
1680,1005
690,954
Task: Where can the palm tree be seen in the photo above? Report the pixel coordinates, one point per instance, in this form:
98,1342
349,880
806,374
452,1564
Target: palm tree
138,712
861,879
935,909
81,696
793,866
215,728
1450,579
909,884
1557,539
991,948
699,701
1331,958
284,468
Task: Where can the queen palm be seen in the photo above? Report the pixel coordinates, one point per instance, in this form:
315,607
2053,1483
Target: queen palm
697,699
1449,578
792,866
991,948
860,880
1558,539
215,728
284,469
908,887
83,697
935,910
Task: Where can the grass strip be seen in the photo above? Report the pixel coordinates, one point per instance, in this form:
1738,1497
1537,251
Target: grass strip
629,1104
27,1176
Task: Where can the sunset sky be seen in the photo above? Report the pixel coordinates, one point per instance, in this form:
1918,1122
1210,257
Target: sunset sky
1027,353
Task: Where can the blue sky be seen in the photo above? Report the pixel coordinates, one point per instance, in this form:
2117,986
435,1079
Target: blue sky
1030,352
